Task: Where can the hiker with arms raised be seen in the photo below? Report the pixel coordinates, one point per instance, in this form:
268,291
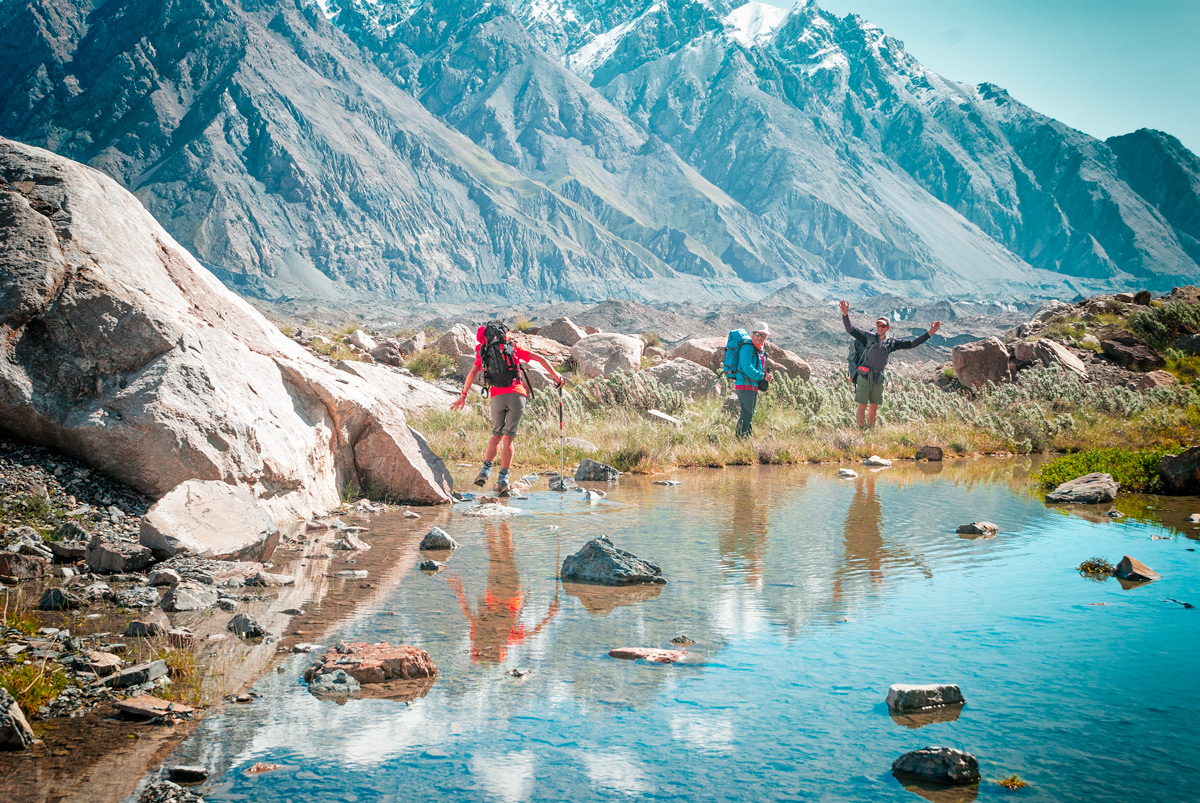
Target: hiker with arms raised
500,360
746,365
876,348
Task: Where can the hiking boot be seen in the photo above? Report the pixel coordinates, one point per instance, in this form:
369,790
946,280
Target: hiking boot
482,477
502,485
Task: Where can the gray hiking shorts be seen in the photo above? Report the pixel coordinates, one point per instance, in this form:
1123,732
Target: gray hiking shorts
507,409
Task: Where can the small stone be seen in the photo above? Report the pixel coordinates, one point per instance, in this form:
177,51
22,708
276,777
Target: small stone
648,654
408,514
903,697
602,563
667,482
136,675
942,765
592,496
436,540
268,580
591,471
978,528
333,684
189,774
683,641
188,595
140,629
351,543
353,574
227,603
15,733
847,473
1135,571
876,460
244,627
146,706
59,599
181,637
164,577
431,566
1194,518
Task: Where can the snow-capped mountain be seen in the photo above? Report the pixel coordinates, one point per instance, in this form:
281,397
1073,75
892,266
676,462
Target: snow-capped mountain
580,149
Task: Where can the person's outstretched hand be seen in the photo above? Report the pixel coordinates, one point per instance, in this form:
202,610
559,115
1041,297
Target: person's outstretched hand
844,307
458,403
936,325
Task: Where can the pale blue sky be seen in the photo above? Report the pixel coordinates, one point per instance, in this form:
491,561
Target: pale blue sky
1103,66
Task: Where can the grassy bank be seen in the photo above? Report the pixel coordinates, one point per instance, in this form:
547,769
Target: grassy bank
796,421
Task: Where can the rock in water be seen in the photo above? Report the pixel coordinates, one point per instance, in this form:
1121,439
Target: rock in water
877,461
375,663
188,595
1135,571
591,471
601,563
978,528
943,765
333,684
15,733
437,539
903,698
930,453
119,345
847,473
208,519
243,626
167,792
1090,489
654,656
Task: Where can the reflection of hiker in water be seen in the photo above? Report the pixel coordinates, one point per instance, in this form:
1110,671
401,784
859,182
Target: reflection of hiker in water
496,623
864,539
746,535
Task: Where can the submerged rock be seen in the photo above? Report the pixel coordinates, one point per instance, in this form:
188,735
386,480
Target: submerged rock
650,654
1134,570
190,773
1090,489
602,563
167,792
903,697
333,684
437,540
978,528
375,663
942,765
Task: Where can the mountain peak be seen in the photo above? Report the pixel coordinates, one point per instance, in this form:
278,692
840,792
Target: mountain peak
755,23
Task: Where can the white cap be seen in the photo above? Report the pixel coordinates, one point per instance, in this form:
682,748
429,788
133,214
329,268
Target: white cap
761,326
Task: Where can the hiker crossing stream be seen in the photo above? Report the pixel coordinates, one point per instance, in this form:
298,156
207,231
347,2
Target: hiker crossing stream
806,597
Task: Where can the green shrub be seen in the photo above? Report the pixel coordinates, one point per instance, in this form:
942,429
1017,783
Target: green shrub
1161,326
33,685
523,324
652,339
1136,471
430,364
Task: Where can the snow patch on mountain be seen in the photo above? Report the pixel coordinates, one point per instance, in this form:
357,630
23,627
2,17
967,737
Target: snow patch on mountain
602,46
755,23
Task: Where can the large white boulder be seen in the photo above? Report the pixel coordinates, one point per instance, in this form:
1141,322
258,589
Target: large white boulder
691,379
210,520
120,349
564,331
410,394
607,353
782,361
458,343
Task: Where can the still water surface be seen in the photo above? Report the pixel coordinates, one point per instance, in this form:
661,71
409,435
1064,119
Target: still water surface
808,596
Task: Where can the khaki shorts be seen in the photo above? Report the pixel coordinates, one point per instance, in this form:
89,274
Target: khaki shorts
507,409
867,393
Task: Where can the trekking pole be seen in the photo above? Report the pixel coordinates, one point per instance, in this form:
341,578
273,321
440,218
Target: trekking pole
560,484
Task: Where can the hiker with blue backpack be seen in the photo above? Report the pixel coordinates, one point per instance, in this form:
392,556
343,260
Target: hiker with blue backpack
500,359
868,358
746,364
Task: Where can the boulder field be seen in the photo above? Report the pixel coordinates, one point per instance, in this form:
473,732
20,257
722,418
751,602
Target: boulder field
120,349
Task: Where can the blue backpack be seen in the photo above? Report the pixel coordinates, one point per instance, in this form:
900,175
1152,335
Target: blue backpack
733,349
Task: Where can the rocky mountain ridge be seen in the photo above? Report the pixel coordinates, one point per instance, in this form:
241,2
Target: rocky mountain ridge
556,150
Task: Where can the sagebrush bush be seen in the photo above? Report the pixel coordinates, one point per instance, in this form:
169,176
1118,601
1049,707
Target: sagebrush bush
1161,326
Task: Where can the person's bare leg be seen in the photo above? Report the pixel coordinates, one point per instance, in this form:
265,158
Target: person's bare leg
493,447
859,417
872,410
506,452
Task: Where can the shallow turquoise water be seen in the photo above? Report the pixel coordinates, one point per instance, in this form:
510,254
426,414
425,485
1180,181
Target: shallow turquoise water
808,596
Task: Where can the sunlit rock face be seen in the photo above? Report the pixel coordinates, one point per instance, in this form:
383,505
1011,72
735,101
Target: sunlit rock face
120,349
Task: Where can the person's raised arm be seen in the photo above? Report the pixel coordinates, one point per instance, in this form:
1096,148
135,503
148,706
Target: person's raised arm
913,342
853,331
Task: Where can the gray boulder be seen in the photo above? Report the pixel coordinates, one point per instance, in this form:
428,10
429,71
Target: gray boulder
706,351
1131,352
333,684
976,364
1135,571
940,765
591,471
601,563
436,540
903,697
188,595
607,353
689,378
1090,489
59,599
782,362
1180,473
930,453
166,791
409,393
136,675
114,557
15,733
564,331
209,519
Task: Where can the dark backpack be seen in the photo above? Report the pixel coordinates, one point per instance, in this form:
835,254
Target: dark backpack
733,351
498,356
854,358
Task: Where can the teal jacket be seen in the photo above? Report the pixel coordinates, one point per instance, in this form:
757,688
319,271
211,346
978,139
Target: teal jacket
752,366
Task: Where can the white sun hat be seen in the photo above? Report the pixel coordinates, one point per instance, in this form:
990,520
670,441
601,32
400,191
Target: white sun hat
761,326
